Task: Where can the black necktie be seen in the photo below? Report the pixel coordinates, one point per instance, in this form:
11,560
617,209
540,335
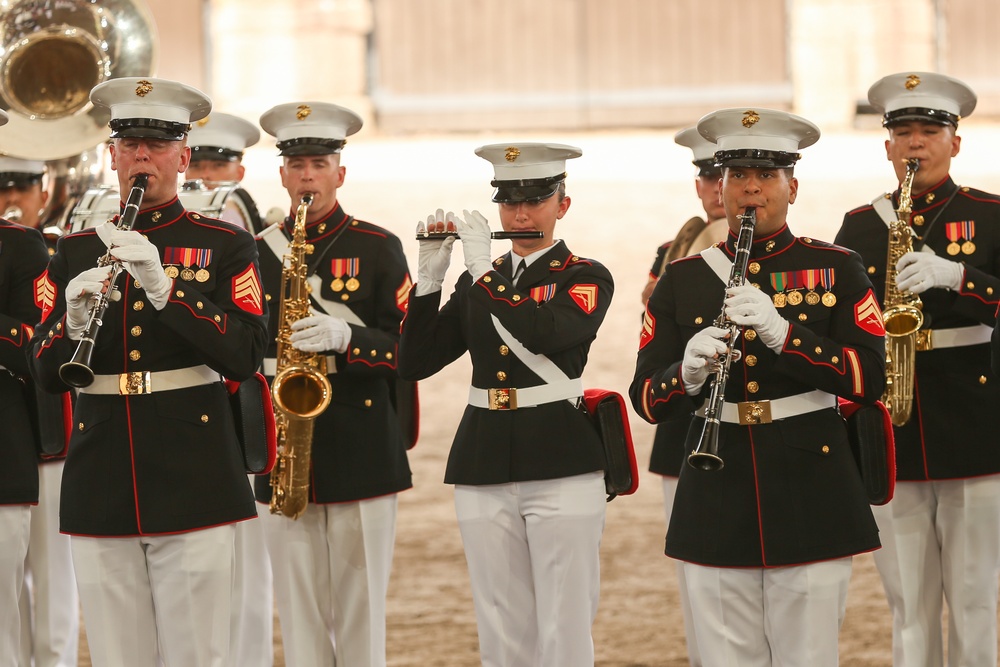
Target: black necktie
518,271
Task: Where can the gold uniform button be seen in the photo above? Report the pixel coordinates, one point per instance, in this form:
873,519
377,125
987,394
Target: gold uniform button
388,355
989,290
930,198
487,279
345,296
195,216
754,267
918,220
136,331
970,285
825,449
807,240
673,381
753,387
835,359
965,188
769,246
59,326
516,297
137,284
796,342
204,419
751,360
354,223
80,426
755,285
373,353
13,332
368,402
504,350
267,297
803,317
501,376
501,288
982,379
218,318
698,320
199,305
819,350
139,305
750,334
356,351
135,355
663,386
180,294
871,270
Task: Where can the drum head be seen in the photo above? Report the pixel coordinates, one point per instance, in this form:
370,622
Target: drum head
96,206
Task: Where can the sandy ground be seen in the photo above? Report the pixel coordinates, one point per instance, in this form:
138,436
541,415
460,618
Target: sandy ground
630,191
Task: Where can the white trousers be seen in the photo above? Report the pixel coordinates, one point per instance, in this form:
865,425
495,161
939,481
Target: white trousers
533,552
171,591
251,633
15,526
941,542
694,657
50,606
780,617
331,576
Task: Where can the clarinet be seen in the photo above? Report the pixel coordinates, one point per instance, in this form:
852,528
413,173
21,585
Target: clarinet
706,455
77,372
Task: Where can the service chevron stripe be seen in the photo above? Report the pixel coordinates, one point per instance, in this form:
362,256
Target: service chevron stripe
247,292
45,294
585,296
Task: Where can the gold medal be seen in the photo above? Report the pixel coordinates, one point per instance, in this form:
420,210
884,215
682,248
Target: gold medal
812,298
202,275
187,273
353,284
794,298
829,299
779,300
337,285
968,247
953,248
171,272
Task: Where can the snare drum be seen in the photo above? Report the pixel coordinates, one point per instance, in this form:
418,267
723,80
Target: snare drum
226,201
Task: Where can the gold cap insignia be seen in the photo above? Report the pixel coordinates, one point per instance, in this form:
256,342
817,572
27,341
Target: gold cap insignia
203,122
912,82
750,118
512,153
303,112
143,88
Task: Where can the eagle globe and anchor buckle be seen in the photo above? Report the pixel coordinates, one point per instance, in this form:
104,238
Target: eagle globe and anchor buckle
136,382
754,412
503,399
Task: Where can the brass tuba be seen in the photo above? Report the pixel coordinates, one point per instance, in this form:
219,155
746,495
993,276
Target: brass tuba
301,390
901,312
52,53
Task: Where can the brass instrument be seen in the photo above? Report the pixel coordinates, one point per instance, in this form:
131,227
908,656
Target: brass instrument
76,372
496,236
706,454
13,214
301,390
901,313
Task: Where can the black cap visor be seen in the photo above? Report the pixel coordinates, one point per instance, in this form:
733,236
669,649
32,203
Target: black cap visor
310,146
707,167
920,113
214,153
756,158
527,190
18,179
148,128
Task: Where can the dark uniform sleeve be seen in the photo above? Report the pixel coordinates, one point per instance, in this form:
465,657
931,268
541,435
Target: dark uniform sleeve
431,338
25,257
229,325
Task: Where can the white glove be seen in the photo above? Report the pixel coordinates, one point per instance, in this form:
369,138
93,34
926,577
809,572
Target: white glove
917,272
142,260
747,306
704,347
320,333
79,292
475,234
435,254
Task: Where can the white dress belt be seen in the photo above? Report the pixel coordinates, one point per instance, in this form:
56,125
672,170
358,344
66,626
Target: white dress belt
269,367
935,339
510,398
779,408
146,382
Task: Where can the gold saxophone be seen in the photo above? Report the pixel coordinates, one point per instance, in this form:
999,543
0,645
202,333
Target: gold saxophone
901,312
301,390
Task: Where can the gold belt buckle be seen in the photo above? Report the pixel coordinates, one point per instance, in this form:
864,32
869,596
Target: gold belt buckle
925,340
136,382
503,399
754,412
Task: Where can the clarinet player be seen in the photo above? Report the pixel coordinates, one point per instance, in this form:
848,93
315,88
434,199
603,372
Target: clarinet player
765,541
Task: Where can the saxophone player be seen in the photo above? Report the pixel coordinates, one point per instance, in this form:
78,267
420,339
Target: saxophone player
941,532
331,565
765,542
154,480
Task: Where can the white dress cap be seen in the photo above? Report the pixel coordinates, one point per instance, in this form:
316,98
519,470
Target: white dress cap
18,172
310,128
926,96
221,136
760,138
527,171
152,108
702,149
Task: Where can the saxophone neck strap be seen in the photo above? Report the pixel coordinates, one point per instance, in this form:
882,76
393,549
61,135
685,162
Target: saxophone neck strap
883,206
